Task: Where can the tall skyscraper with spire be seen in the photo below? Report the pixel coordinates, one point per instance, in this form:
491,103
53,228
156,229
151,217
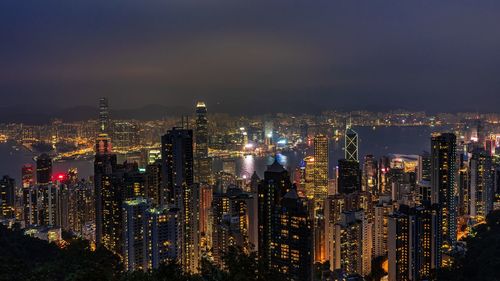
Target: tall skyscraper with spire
203,164
351,143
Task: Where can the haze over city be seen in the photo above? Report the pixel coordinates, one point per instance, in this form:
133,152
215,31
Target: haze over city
251,57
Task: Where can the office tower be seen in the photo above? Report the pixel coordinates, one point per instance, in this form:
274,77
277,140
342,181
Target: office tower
111,215
231,221
380,227
162,233
134,250
351,144
154,182
370,175
272,188
190,228
293,242
443,163
7,198
348,251
134,181
27,175
206,198
411,232
103,116
464,185
43,169
47,197
424,167
177,162
399,247
481,184
309,172
104,163
254,183
320,178
178,181
81,206
349,176
203,163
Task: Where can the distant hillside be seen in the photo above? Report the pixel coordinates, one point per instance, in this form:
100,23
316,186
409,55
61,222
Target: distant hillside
32,115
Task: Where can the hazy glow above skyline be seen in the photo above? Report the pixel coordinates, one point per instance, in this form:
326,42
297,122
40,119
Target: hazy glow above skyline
249,57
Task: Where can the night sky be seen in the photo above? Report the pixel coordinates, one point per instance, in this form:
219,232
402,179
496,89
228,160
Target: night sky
249,56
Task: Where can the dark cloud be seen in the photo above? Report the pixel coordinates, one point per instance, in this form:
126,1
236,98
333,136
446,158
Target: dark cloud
248,56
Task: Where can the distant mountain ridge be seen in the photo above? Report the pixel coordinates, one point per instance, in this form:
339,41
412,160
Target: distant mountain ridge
30,115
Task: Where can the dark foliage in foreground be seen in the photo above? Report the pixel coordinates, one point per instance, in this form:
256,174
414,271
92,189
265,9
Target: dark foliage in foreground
482,260
26,258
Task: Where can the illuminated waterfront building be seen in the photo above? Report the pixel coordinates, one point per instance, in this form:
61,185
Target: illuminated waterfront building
292,242
320,176
443,163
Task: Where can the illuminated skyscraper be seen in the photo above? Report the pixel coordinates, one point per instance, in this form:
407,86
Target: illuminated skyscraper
349,176
370,175
347,252
153,182
134,248
178,181
203,168
232,221
104,163
162,233
177,162
272,188
103,116
43,169
351,144
320,178
27,175
481,184
443,192
410,242
292,251
7,197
